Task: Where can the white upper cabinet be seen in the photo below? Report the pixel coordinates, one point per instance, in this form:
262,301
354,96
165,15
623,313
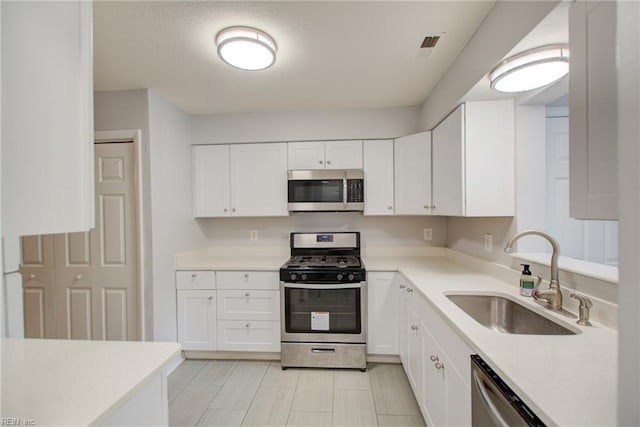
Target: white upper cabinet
473,161
325,155
211,180
259,179
240,180
47,118
412,174
593,115
378,175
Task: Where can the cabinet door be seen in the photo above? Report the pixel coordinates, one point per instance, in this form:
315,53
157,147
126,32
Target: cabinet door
343,154
413,174
378,172
47,119
259,179
197,320
306,155
434,365
382,296
210,180
400,287
458,398
593,105
448,165
415,365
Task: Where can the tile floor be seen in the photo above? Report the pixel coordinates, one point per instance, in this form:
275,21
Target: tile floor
257,393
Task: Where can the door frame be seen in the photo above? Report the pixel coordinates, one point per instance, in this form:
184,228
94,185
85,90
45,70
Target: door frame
133,136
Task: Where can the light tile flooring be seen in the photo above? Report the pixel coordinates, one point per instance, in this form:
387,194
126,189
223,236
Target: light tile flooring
256,393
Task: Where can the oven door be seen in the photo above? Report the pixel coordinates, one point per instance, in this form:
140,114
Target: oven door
335,312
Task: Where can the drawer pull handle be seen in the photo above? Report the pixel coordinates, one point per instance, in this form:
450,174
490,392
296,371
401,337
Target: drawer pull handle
323,350
248,325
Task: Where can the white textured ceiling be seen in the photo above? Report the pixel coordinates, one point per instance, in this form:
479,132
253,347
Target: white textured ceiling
331,54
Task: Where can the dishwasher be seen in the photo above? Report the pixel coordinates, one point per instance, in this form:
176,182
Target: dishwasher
493,403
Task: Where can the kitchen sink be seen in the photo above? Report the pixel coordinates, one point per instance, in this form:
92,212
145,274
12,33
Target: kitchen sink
504,315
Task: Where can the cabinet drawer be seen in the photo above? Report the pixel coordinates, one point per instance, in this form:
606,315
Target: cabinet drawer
248,280
248,335
248,305
195,280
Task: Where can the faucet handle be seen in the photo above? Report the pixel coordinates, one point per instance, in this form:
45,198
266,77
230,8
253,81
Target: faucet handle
585,305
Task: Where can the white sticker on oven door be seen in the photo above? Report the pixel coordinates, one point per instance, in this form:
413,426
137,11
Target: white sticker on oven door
319,320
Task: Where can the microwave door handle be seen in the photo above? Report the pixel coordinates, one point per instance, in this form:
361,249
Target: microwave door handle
344,190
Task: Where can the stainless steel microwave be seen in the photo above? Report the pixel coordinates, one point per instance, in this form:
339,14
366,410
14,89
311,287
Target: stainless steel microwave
326,190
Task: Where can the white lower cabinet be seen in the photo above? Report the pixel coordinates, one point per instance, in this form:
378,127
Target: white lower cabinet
400,288
197,319
382,313
436,361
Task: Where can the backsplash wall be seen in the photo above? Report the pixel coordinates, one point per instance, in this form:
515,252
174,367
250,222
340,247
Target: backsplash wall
375,231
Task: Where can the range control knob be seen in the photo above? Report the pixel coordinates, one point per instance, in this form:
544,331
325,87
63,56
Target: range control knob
293,277
339,276
351,276
304,277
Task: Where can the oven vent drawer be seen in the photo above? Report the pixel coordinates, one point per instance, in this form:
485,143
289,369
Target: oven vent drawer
324,355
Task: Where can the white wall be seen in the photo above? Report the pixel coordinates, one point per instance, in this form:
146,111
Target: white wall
304,125
173,228
628,55
129,109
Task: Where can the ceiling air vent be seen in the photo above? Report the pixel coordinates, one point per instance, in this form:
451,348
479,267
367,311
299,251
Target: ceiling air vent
429,41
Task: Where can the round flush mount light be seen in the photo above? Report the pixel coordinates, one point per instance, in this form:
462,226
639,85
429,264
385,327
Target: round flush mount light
246,48
531,69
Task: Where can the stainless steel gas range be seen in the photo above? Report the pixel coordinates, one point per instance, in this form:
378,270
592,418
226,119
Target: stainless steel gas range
323,302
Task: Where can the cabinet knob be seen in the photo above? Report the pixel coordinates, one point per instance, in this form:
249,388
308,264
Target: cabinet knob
79,277
246,275
433,207
194,275
414,328
32,276
233,209
247,294
211,298
248,325
409,290
389,207
328,162
402,286
225,210
434,358
320,161
439,365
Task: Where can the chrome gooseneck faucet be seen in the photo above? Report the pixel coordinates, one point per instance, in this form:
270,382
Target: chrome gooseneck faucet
553,295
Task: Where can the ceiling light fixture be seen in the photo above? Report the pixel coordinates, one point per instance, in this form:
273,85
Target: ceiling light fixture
246,48
531,69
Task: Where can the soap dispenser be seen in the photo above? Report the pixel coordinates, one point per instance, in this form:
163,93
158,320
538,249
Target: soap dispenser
526,281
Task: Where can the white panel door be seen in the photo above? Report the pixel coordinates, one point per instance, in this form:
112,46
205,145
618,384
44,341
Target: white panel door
306,155
448,165
211,180
382,297
378,176
413,174
96,273
343,154
259,179
38,283
197,319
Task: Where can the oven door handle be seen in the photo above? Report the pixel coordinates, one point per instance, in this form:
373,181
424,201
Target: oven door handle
333,286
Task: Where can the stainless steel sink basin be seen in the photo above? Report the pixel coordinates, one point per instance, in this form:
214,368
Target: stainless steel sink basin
503,315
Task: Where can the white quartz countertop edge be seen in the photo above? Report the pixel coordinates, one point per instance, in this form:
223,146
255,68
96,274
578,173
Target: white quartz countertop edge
69,382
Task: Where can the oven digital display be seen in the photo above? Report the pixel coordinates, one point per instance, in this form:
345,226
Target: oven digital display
324,238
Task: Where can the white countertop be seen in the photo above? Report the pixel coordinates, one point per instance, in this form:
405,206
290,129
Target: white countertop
566,380
69,383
